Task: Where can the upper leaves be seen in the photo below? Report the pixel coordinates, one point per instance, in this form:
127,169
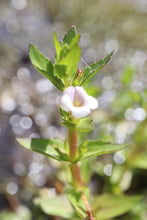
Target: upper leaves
58,206
69,35
64,71
44,66
91,70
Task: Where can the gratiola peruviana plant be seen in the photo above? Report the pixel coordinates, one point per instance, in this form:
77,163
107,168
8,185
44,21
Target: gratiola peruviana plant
75,107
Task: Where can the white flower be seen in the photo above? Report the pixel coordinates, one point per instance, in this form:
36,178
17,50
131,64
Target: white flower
77,101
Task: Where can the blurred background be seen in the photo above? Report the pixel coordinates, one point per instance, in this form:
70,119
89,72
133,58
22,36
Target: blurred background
28,106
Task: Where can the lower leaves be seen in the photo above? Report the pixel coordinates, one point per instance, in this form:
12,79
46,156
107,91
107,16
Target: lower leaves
104,206
75,199
109,206
92,148
58,206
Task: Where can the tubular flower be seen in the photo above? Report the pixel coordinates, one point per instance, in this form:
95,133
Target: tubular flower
77,101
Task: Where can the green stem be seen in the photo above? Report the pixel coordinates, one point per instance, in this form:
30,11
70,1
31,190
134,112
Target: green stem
75,171
72,139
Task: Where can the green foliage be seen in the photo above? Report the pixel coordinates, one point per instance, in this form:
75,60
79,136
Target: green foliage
69,35
91,70
64,71
58,206
57,46
71,60
107,206
75,199
51,148
95,148
44,66
83,124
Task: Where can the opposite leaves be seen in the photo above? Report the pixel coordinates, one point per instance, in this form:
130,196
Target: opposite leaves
64,71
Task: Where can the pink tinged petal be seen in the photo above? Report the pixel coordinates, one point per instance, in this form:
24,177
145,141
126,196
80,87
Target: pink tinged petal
66,103
73,96
70,91
80,95
91,102
80,112
80,91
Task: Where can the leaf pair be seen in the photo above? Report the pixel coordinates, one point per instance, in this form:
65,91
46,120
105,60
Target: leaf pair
103,207
56,149
64,71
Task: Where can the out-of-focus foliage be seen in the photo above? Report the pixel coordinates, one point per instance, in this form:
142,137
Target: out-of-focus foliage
27,109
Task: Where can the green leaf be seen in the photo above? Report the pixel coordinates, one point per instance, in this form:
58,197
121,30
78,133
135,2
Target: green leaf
51,148
57,46
108,206
44,66
84,124
65,115
95,148
69,35
39,60
60,70
75,199
75,41
64,50
54,79
68,124
91,70
86,169
128,74
58,206
71,60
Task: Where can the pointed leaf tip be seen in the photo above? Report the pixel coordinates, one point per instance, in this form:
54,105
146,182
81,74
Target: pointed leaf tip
71,33
53,148
44,66
91,70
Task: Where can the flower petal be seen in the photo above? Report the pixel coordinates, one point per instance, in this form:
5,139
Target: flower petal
72,96
70,91
66,103
80,112
91,102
